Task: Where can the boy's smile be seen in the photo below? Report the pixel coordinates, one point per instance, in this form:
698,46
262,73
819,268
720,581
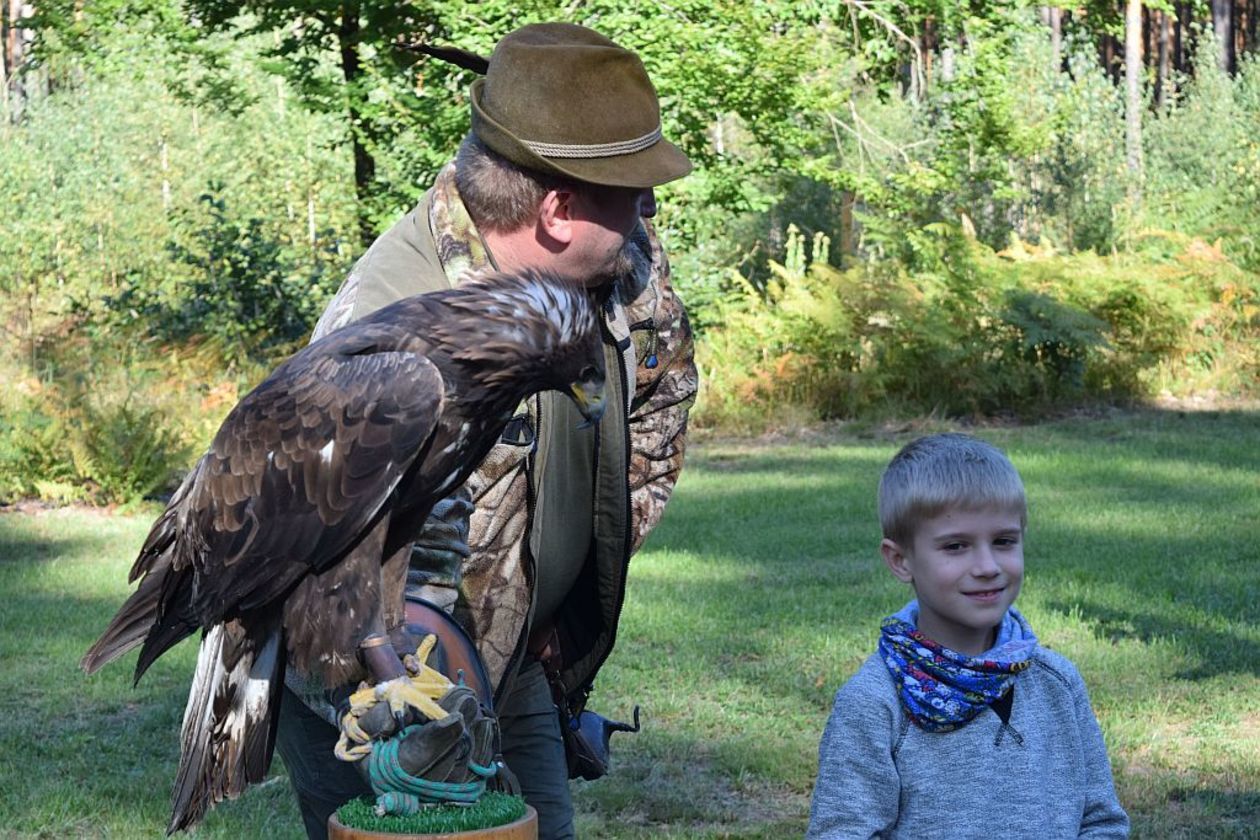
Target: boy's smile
966,567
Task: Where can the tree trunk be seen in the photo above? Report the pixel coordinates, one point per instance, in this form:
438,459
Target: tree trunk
364,163
1236,30
310,196
1191,35
1113,56
1161,67
1223,28
1251,25
1052,16
928,46
1148,36
1056,37
1179,51
1133,101
164,161
4,67
15,38
848,247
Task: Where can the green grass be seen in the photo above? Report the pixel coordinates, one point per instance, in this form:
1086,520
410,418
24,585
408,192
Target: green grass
757,597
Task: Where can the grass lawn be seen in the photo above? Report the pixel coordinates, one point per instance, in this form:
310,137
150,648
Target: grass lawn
758,596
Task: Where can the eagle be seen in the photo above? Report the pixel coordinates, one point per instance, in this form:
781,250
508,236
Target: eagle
289,539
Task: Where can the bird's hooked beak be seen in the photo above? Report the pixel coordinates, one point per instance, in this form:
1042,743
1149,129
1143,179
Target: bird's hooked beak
588,395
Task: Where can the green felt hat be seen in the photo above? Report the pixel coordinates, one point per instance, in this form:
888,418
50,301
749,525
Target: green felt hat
563,99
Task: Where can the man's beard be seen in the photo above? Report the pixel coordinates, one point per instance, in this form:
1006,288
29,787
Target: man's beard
619,265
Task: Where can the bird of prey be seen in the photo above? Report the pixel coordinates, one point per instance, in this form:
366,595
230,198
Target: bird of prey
290,537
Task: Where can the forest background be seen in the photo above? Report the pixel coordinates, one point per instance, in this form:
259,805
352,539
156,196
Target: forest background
901,208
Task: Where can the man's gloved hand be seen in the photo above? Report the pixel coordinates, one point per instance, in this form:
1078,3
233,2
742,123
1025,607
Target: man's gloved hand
447,750
449,759
439,752
439,551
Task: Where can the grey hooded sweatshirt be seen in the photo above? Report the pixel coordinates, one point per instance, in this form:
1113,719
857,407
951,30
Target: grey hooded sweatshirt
1041,774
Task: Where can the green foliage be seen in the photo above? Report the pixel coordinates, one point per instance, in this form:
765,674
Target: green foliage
1203,158
243,289
118,262
1053,338
1008,145
1020,332
180,182
106,196
33,456
68,447
125,453
340,60
1077,185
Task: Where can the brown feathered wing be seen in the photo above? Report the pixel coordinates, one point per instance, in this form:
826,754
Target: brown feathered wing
295,476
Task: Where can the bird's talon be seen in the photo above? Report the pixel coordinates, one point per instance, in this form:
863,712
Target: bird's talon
364,698
419,689
426,647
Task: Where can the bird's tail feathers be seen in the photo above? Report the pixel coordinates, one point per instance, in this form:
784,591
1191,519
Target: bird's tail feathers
151,615
134,620
230,721
174,620
164,533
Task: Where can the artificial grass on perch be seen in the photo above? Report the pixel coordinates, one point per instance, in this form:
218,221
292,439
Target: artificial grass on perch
495,815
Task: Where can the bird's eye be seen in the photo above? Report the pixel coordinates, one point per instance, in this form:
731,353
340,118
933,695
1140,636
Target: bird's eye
588,372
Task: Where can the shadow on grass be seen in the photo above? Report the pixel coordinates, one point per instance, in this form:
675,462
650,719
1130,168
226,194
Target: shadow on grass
679,787
95,756
1216,652
1164,806
1210,437
1107,538
20,543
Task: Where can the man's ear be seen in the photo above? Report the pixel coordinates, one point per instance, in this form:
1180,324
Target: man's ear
897,560
555,215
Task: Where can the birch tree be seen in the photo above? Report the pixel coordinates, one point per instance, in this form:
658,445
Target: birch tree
1133,99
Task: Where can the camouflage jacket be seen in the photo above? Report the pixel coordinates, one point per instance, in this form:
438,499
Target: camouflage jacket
652,382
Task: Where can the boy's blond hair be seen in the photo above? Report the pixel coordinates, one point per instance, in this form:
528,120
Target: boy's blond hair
935,473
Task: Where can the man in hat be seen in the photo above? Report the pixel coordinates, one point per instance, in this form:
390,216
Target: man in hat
531,556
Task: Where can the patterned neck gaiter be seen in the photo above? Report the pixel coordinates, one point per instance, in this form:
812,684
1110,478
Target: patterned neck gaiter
942,689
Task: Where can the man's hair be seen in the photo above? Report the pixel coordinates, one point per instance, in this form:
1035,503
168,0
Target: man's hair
500,195
936,473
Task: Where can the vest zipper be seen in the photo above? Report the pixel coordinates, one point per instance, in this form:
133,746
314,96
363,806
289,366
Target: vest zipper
628,527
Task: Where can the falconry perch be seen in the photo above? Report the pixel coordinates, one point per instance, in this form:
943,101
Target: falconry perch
290,537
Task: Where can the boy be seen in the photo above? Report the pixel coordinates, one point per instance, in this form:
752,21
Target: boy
961,725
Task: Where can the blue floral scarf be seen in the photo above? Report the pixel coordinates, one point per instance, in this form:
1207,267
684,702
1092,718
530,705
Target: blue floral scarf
942,689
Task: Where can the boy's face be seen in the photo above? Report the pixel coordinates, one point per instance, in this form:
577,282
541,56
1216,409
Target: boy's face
966,567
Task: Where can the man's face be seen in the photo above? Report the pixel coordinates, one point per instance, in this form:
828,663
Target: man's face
604,218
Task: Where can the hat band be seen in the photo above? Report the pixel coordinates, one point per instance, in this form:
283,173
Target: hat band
596,150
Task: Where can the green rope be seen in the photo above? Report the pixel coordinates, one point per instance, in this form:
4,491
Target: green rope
399,792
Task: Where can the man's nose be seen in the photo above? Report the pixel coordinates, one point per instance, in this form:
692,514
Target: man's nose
647,204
